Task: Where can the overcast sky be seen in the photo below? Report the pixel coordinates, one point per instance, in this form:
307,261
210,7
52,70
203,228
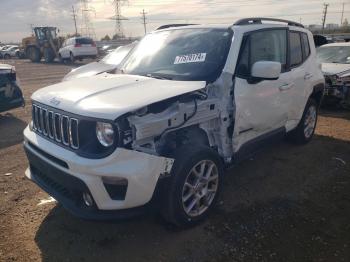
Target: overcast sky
17,15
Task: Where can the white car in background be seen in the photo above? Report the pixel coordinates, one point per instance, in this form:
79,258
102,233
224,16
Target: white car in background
78,48
108,64
335,60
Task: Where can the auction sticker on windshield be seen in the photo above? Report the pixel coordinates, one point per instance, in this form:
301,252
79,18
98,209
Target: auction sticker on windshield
191,58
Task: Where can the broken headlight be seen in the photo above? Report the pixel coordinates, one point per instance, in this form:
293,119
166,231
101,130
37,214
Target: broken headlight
105,133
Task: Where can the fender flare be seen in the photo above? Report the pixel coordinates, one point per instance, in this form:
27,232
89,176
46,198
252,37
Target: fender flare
318,93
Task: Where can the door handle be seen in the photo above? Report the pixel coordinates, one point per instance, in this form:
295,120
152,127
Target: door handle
286,87
307,76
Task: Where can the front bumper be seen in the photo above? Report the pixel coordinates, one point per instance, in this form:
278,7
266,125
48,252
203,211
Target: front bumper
66,176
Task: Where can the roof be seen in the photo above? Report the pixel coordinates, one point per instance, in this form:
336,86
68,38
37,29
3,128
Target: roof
244,23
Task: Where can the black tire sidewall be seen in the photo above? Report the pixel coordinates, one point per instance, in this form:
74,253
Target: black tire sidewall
298,135
71,57
185,159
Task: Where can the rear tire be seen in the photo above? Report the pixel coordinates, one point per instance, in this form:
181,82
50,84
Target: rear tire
49,55
33,53
72,58
194,185
306,128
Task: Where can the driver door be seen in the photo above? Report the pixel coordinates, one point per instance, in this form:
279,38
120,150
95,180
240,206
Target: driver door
261,105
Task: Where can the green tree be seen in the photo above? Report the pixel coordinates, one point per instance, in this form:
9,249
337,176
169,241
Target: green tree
106,38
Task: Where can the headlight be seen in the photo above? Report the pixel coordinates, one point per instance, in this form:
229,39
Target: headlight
105,133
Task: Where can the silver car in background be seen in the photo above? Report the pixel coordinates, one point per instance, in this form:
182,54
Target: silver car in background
107,64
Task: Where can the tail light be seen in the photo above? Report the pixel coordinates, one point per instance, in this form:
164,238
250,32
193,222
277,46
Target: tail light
77,45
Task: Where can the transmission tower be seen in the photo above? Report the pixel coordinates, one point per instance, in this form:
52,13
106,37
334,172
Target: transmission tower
118,30
87,28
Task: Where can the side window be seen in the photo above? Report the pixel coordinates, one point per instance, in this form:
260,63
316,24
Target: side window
306,45
296,53
264,45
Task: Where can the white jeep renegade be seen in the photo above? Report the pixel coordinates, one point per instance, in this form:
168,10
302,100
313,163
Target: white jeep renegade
189,101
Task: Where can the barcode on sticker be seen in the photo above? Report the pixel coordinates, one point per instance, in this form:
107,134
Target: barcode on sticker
192,58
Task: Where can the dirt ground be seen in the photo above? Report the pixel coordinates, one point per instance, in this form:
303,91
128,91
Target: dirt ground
288,203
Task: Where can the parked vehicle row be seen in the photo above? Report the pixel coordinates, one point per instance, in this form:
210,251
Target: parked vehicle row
9,51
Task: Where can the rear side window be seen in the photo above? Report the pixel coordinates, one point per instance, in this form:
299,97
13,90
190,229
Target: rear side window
84,41
296,53
265,45
306,45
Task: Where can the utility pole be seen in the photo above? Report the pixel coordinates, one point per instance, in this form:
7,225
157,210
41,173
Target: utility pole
75,20
144,20
324,16
342,15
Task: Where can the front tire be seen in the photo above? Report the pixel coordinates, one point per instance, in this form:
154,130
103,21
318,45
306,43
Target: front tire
49,55
33,53
194,185
72,58
306,128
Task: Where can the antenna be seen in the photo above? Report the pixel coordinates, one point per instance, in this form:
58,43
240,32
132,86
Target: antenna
118,30
144,20
87,28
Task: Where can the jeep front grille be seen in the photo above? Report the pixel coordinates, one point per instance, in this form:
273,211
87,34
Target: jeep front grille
56,126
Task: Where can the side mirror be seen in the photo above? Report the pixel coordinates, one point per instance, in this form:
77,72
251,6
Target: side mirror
266,70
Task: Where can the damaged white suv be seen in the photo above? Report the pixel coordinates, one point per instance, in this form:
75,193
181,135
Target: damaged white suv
188,102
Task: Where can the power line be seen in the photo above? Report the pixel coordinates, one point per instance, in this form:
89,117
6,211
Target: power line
324,16
144,20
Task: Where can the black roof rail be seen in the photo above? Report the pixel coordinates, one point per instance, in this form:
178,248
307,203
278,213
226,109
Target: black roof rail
258,20
172,25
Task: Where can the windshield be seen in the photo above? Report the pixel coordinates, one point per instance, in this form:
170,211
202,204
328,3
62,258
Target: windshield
181,54
84,41
117,56
334,54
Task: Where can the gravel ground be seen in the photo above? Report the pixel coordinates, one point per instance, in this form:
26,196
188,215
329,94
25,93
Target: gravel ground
288,203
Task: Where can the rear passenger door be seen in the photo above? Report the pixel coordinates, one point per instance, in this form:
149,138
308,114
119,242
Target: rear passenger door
299,67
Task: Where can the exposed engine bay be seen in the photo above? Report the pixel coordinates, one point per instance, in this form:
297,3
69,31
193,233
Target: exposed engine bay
337,89
199,117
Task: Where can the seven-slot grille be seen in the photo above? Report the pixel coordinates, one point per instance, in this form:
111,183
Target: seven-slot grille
56,126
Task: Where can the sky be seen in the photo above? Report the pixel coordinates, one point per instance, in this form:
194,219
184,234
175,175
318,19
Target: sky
16,16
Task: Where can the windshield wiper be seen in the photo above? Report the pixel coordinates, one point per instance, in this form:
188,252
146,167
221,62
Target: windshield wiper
157,76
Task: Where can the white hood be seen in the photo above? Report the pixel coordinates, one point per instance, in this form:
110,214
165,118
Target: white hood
335,69
90,69
108,96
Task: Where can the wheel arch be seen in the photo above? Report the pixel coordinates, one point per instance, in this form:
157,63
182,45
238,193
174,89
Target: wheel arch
317,93
192,135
